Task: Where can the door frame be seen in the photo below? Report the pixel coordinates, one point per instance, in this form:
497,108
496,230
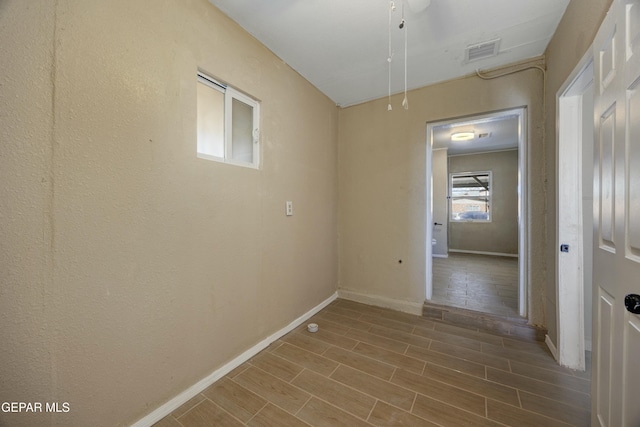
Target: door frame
523,208
570,268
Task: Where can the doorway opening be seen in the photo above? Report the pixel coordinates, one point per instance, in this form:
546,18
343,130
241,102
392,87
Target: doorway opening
476,213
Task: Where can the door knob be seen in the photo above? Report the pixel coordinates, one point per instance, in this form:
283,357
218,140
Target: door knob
632,302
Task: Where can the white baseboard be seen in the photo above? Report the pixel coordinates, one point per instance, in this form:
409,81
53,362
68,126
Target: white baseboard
551,346
198,387
440,256
460,251
380,301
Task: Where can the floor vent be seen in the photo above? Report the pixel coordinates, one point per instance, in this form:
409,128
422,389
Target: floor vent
482,50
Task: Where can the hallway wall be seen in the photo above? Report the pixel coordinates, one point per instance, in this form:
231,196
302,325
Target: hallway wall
131,269
500,235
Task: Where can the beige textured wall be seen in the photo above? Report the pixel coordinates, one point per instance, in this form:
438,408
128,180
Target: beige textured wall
26,123
132,269
501,234
440,176
382,166
573,37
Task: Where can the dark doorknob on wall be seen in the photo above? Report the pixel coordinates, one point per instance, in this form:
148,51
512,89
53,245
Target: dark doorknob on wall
632,302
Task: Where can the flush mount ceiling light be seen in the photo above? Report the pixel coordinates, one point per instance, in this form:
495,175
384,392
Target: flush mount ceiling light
462,136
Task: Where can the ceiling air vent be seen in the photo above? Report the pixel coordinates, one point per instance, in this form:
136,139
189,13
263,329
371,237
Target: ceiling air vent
482,50
484,135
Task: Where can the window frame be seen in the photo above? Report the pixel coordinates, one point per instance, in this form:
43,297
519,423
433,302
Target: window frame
489,198
230,94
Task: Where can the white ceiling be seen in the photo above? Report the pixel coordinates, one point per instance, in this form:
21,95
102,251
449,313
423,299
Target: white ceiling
341,46
501,129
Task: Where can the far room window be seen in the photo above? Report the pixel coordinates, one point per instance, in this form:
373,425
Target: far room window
228,124
470,197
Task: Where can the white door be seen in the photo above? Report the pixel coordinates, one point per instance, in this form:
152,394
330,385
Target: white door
616,255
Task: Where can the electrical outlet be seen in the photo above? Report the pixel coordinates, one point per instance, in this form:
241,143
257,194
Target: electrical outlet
289,208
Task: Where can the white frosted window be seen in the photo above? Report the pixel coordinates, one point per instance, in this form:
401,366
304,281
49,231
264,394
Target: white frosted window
210,121
242,132
228,124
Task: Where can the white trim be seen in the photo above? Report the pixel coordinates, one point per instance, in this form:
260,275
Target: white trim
429,215
384,302
198,387
551,347
524,225
569,280
461,251
440,256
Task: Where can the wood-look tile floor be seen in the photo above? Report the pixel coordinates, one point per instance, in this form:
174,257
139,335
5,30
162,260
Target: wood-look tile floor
371,366
477,282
